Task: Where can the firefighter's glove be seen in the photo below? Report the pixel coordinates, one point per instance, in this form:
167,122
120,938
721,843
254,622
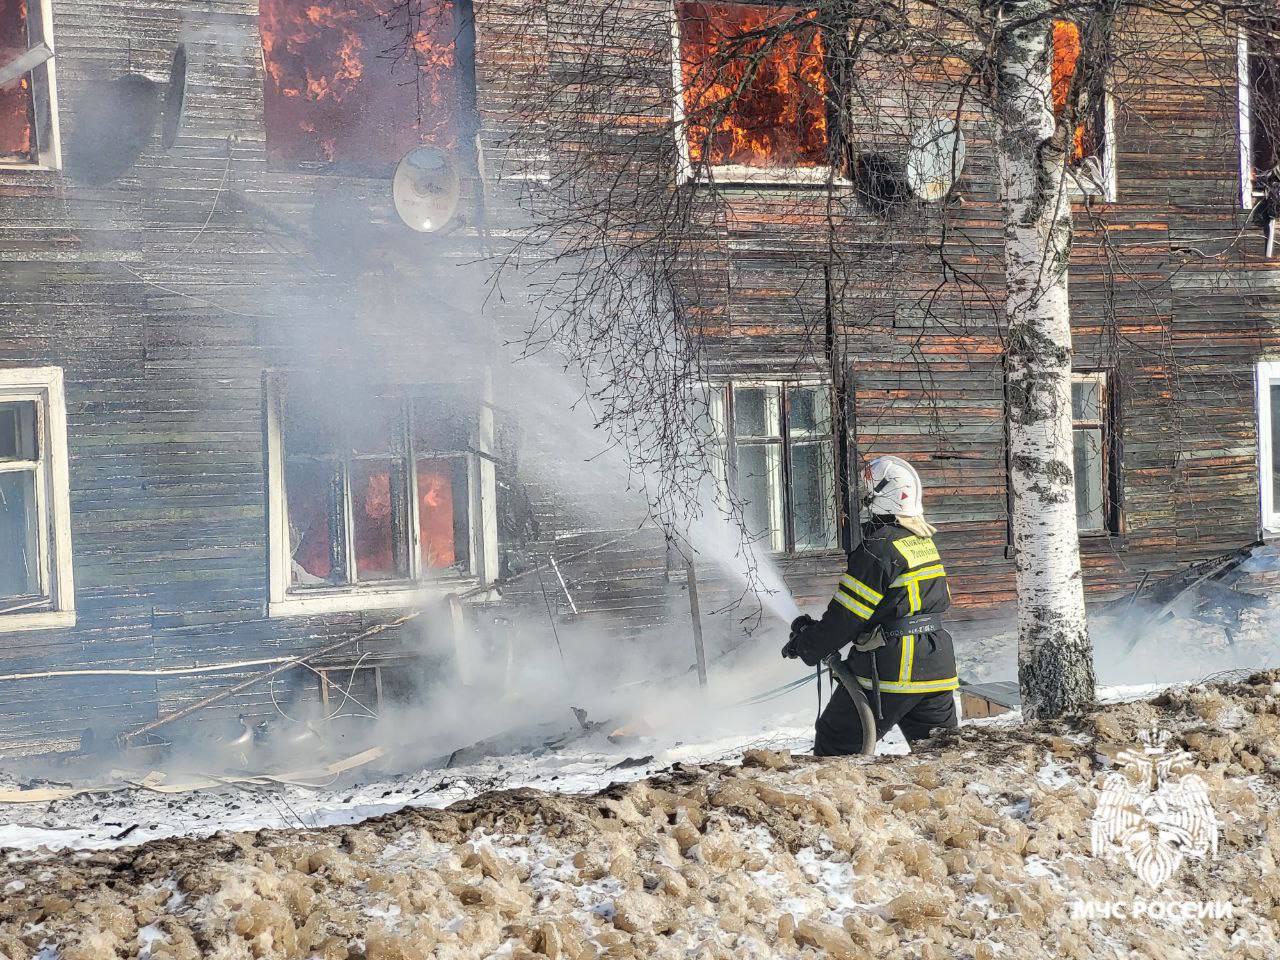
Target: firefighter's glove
798,627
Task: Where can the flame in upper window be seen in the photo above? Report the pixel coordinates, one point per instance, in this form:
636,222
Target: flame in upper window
1066,58
17,109
751,96
348,82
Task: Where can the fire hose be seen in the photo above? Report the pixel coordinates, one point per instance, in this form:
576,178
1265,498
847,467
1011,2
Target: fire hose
840,670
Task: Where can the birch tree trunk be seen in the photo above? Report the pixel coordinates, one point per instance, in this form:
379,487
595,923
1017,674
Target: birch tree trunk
1055,658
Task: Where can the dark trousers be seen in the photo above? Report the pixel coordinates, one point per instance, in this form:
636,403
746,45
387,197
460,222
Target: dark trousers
839,729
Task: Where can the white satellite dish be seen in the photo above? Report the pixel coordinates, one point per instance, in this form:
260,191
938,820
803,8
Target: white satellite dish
425,189
935,159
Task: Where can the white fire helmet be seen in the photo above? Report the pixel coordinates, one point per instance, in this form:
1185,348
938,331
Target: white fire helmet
891,487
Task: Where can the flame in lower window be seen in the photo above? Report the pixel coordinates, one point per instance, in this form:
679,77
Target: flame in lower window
779,118
350,83
16,105
1066,58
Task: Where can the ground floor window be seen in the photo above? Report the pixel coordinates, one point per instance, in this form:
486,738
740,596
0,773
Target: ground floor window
36,589
1096,476
1269,442
776,452
371,496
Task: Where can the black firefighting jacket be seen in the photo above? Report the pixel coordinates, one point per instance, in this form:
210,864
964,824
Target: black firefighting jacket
893,574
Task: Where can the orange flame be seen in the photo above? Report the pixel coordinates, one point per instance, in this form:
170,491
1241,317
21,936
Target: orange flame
340,81
17,108
778,118
1066,57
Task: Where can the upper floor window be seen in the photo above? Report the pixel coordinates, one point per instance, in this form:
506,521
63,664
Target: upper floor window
1097,479
28,101
355,87
1092,154
776,452
36,588
369,499
1269,443
1259,105
752,91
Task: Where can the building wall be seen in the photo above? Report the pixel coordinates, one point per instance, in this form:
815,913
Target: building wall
166,295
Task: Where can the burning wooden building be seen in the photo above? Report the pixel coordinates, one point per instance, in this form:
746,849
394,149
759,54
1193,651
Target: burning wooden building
249,406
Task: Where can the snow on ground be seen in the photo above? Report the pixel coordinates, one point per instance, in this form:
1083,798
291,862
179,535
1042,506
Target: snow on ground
99,821
975,847
130,817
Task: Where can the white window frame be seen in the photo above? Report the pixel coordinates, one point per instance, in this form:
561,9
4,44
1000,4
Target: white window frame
44,90
1268,372
1244,108
782,511
733,173
283,601
43,386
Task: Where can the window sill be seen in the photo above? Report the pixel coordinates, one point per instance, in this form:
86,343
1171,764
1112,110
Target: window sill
20,167
741,175
354,601
43,620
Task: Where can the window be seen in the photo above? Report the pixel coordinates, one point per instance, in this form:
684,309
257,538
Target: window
344,86
1258,67
1091,151
370,499
36,588
28,131
1091,432
751,108
1269,443
779,458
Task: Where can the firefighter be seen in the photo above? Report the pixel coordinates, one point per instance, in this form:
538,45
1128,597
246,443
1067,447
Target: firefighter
889,606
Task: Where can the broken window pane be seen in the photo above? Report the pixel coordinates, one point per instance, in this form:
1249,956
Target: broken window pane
18,438
1264,103
352,85
440,427
379,520
759,102
813,496
20,532
760,487
17,105
314,493
757,412
1090,489
1087,140
443,533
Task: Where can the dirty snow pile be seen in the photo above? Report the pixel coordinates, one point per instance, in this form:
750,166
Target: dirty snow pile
974,847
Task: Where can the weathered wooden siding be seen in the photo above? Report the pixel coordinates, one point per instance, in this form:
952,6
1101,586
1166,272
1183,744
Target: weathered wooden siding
166,295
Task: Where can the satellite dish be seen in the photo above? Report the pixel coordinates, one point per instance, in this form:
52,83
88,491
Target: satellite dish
175,97
425,189
117,119
935,159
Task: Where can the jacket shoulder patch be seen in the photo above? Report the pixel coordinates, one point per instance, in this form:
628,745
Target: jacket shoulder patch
917,550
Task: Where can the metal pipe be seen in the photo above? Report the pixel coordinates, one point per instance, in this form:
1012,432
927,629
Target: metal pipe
126,738
563,586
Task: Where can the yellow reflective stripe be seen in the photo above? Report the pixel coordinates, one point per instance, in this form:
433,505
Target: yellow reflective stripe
852,605
913,597
913,686
908,657
860,589
924,573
